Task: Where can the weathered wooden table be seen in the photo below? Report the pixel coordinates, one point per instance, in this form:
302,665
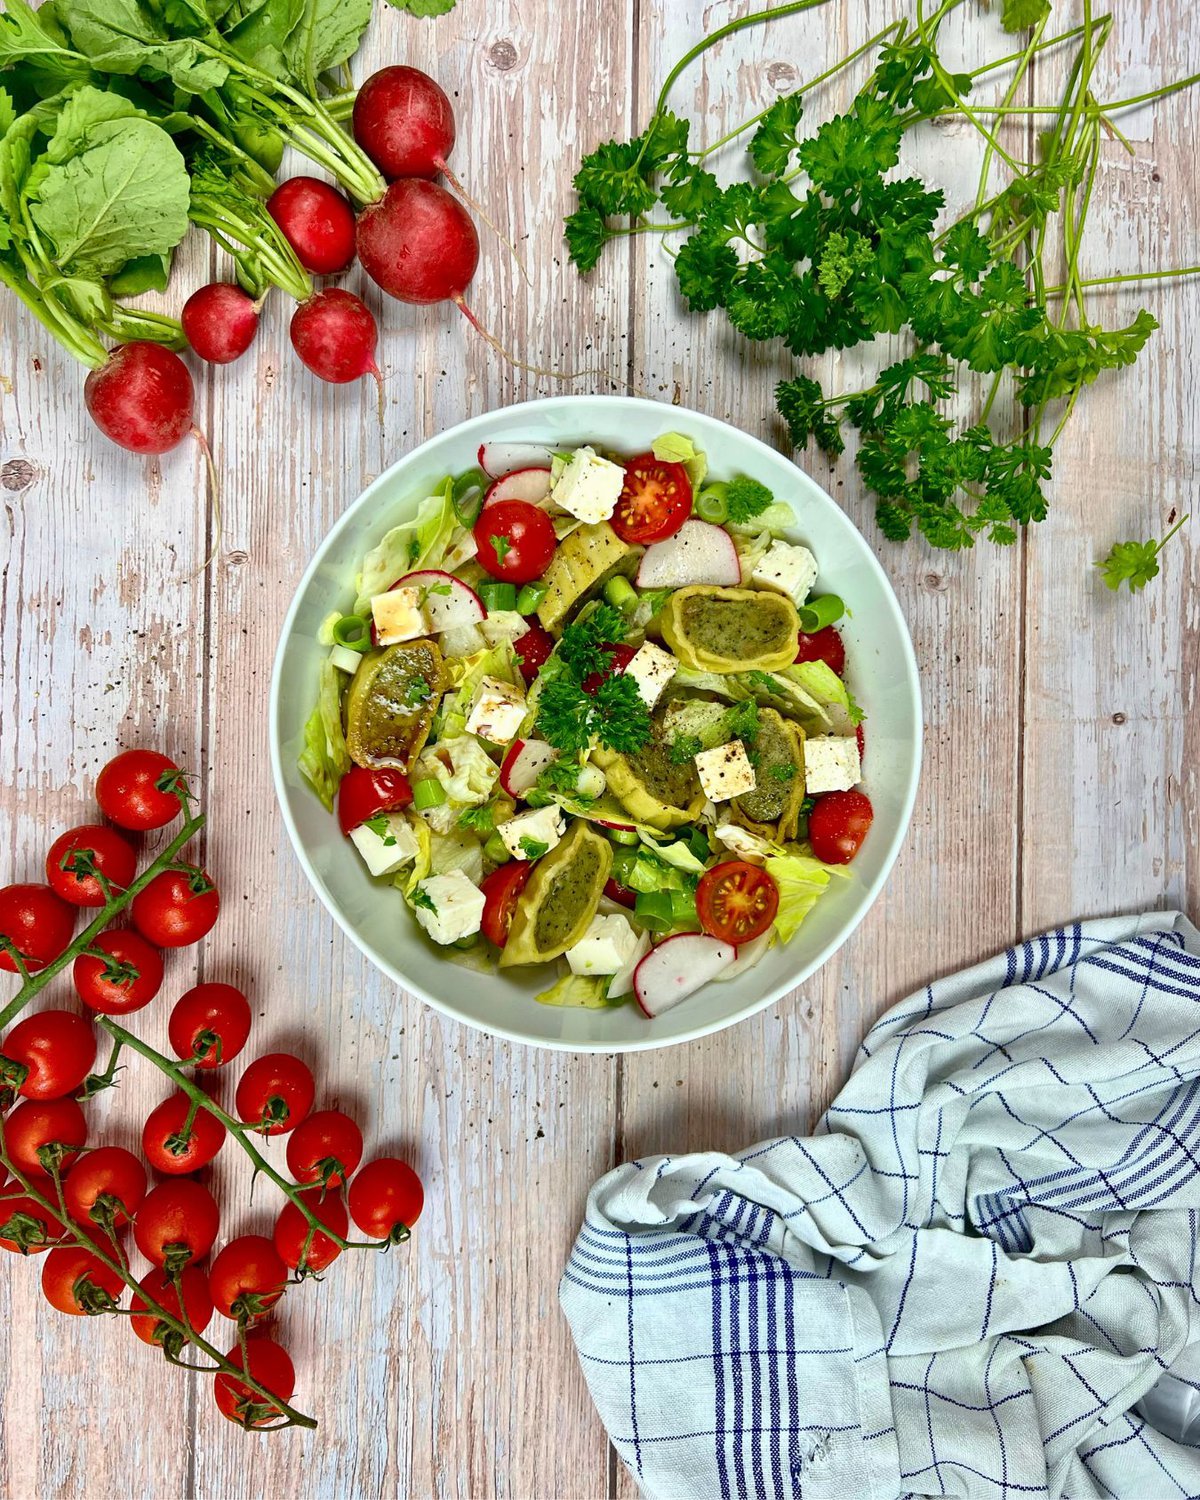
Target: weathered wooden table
1060,778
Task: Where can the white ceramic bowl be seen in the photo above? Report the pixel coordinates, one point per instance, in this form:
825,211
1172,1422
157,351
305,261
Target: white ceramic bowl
882,671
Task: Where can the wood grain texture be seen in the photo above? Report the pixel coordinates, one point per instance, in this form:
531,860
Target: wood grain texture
1060,774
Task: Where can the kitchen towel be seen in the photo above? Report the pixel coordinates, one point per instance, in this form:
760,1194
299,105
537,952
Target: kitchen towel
964,1283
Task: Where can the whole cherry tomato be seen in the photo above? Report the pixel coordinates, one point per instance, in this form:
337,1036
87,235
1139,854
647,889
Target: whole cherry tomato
195,1311
293,1231
36,922
175,1145
136,790
177,1224
515,540
386,1199
26,1228
177,908
500,891
326,1148
77,1282
209,1024
84,860
106,1186
736,901
270,1366
655,502
275,1093
48,1054
247,1279
56,1128
823,645
838,824
365,791
119,973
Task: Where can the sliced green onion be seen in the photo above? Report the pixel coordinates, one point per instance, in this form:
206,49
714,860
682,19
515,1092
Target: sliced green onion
824,610
654,910
711,504
467,495
428,793
530,597
623,836
620,593
497,596
496,850
683,908
353,632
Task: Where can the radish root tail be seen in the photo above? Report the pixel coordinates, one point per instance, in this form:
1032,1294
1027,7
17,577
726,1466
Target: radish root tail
520,364
214,494
476,207
377,377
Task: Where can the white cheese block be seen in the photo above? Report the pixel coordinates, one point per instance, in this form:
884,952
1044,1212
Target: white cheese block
386,842
605,948
651,668
589,487
399,615
831,763
455,908
725,771
496,711
788,569
542,825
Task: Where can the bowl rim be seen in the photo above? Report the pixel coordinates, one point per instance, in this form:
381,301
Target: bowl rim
679,416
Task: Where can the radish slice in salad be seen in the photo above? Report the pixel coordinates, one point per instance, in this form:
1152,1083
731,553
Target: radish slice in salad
448,602
523,764
698,553
677,968
497,459
532,485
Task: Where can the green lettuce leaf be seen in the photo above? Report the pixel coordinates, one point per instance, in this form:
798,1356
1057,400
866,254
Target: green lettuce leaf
419,543
325,760
802,880
582,991
675,448
818,679
777,520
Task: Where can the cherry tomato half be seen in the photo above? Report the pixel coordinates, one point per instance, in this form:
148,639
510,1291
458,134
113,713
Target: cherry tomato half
619,657
75,1281
515,539
532,651
655,502
292,1231
80,857
500,890
177,1224
386,1199
196,1311
174,1145
121,972
270,1365
823,645
247,1279
51,1054
325,1148
209,1024
838,824
621,894
736,901
38,923
365,792
135,790
106,1185
177,908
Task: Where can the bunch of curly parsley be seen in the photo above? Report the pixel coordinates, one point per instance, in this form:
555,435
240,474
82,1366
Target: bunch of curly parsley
614,713
824,247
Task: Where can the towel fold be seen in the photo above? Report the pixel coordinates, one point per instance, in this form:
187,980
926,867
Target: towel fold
962,1284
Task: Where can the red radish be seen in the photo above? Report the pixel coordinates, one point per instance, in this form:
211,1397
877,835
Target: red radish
498,459
220,321
141,397
677,968
334,334
523,763
404,122
449,602
419,243
697,553
620,827
317,221
532,485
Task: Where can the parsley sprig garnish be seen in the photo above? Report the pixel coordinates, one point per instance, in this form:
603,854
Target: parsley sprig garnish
1135,563
824,247
615,714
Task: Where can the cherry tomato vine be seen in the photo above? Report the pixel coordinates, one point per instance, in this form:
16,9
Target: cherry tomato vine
48,1071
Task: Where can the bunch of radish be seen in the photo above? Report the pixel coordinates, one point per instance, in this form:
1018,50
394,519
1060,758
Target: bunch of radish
417,242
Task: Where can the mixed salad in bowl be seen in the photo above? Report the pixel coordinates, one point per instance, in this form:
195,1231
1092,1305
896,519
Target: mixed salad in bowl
586,711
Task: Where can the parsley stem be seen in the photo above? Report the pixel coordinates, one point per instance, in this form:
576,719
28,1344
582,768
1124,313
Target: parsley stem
1125,279
1160,93
1052,41
1182,521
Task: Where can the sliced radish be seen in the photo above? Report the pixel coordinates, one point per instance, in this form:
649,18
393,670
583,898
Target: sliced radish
622,981
620,827
532,485
497,459
677,968
697,553
448,601
523,764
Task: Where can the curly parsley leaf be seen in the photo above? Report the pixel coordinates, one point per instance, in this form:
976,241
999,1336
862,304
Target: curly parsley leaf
1020,15
581,649
622,718
773,142
587,234
421,897
533,848
746,498
801,404
1134,563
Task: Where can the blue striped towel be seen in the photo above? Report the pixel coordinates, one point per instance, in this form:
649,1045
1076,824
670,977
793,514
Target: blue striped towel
963,1284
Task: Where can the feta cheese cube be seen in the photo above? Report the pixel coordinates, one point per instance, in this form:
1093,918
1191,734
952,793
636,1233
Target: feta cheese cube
531,834
386,842
346,660
831,763
651,668
589,487
725,772
788,569
605,948
449,907
399,615
496,711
